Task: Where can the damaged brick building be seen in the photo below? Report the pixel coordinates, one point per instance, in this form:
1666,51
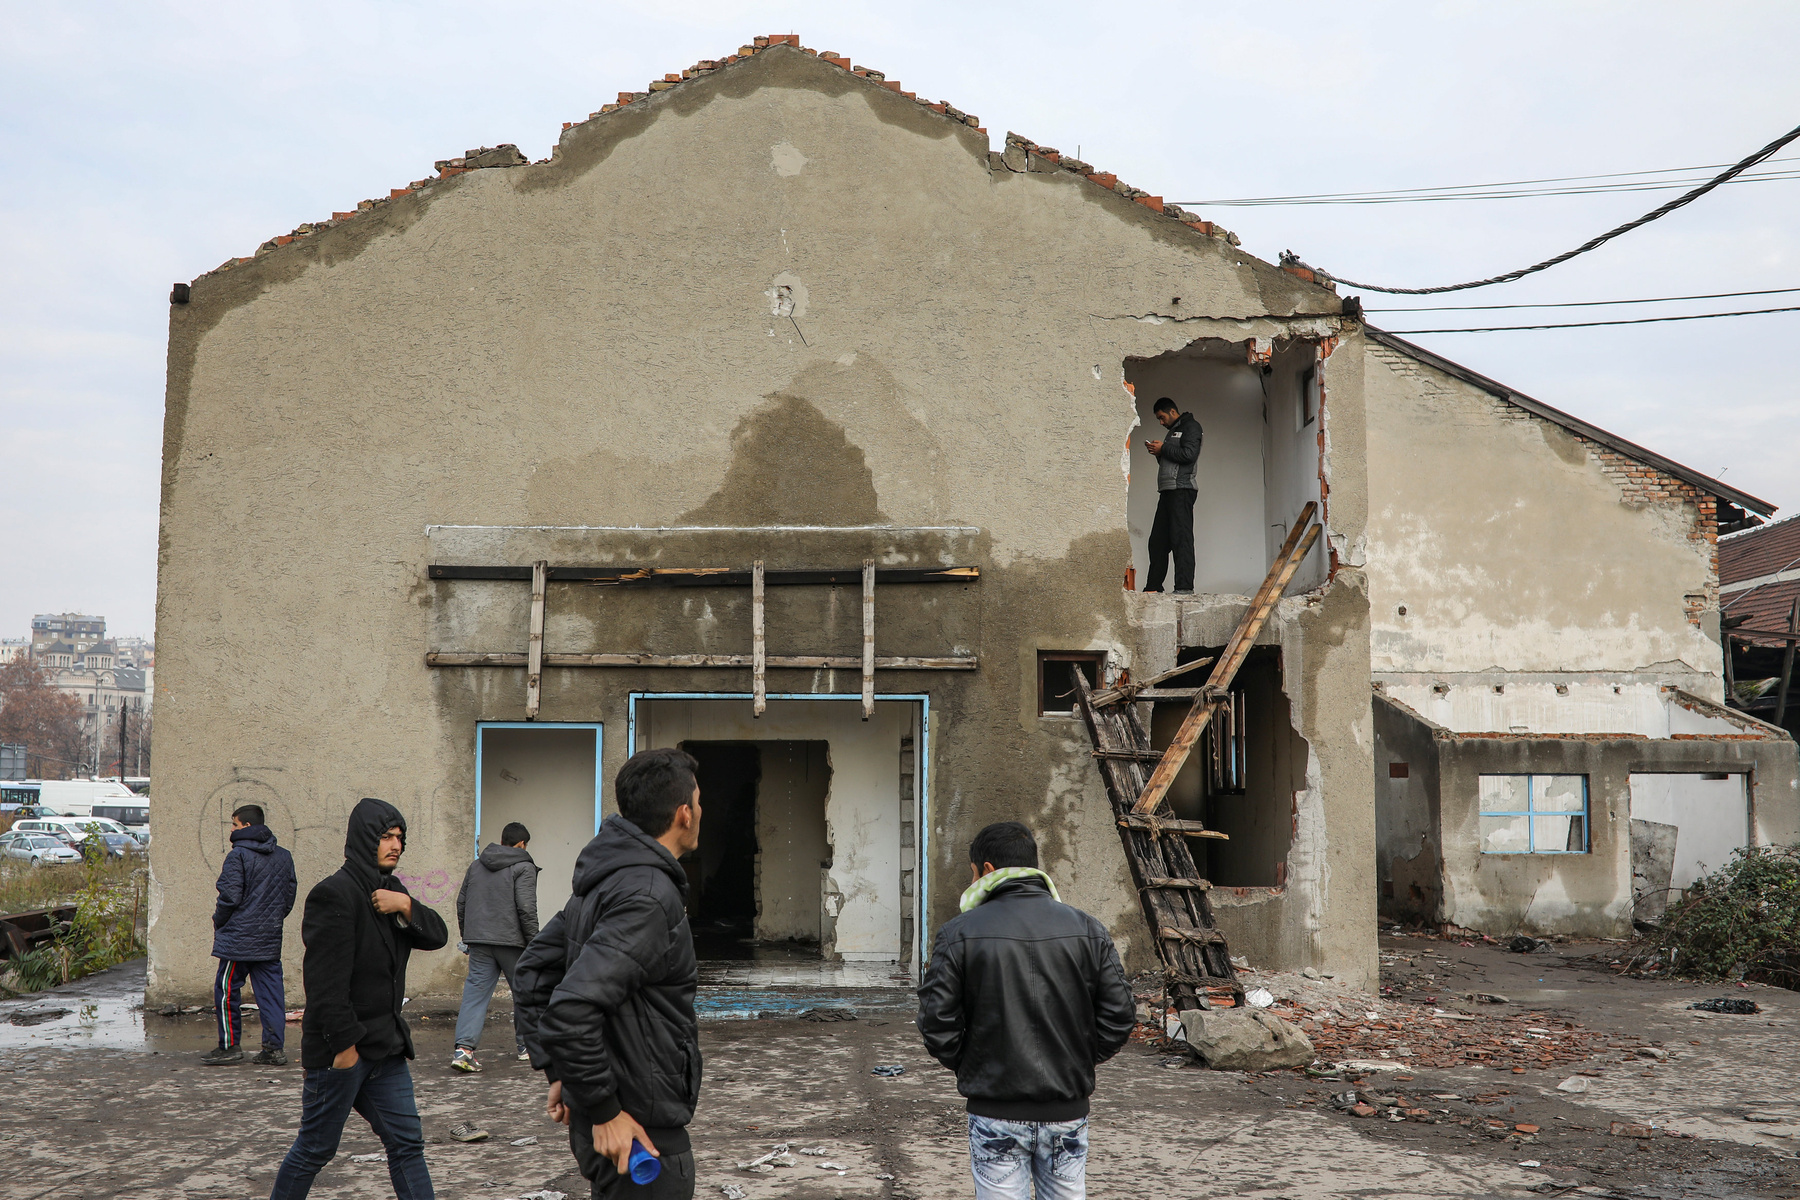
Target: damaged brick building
777,417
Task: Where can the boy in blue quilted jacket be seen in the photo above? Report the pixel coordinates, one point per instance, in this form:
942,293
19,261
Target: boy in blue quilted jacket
256,893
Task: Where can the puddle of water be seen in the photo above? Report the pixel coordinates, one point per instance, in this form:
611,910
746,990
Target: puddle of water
738,1004
113,1022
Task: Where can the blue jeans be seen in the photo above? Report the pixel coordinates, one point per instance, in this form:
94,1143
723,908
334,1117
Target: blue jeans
486,965
382,1092
1008,1157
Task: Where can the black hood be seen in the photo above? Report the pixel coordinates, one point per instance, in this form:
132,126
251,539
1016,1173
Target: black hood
368,821
618,845
498,858
253,837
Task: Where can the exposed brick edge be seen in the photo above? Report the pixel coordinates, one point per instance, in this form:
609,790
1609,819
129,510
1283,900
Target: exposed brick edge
1039,158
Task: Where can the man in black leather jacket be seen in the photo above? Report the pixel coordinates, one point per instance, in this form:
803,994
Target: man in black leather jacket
1023,998
606,990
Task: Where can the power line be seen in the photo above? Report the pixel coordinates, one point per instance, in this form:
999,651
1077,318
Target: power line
1593,243
1499,191
1750,312
1585,303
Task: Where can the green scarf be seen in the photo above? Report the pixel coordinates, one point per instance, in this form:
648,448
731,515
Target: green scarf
982,888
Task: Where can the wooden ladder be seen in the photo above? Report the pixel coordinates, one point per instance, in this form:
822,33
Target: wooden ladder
1169,885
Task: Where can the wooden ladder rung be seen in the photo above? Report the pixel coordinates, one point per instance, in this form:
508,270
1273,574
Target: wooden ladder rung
1131,755
1153,824
1201,937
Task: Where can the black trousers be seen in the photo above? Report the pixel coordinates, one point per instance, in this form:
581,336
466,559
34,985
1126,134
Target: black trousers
1172,532
605,1183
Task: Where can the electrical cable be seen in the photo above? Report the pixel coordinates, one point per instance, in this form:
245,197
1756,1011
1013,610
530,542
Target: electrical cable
1750,312
1460,188
1593,243
1438,195
1583,303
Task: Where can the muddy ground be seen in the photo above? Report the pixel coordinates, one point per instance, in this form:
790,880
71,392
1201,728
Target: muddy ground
108,1101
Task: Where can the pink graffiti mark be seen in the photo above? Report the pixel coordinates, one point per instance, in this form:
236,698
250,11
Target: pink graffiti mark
433,887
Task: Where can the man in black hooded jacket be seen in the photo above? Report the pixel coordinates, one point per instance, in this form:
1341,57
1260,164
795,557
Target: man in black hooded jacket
606,989
360,927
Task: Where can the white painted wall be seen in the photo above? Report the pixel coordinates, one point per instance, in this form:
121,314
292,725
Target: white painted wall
544,779
860,892
1712,814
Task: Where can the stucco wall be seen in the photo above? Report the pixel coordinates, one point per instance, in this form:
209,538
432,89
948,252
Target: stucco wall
1516,546
594,342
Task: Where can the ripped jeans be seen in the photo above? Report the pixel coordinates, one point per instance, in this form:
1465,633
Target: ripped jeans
1008,1157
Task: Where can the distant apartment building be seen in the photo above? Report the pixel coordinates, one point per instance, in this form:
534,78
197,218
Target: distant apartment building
106,694
75,630
13,649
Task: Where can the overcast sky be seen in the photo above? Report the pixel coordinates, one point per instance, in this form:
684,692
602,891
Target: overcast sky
145,143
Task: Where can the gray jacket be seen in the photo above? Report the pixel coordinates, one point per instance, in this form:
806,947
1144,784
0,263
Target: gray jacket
497,904
1181,449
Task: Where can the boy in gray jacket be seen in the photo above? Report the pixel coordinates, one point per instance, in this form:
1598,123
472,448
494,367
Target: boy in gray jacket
496,910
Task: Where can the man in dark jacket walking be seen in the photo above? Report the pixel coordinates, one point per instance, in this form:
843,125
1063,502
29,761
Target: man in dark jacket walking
496,912
360,927
1023,998
1173,529
607,989
256,893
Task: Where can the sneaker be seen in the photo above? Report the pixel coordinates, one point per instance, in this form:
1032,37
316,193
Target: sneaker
467,1132
223,1056
271,1056
524,1054
464,1060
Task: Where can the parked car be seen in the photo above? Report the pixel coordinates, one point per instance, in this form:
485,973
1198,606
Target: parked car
118,845
70,829
38,849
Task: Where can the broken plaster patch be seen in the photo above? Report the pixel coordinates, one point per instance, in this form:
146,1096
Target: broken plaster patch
786,158
787,296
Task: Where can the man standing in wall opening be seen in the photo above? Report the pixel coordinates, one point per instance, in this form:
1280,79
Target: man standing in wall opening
606,990
1173,529
360,927
1023,998
256,893
496,911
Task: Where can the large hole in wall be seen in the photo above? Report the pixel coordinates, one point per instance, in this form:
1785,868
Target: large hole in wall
1242,777
1259,459
756,877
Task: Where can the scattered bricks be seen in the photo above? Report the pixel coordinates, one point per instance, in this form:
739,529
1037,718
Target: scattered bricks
955,113
1105,179
606,108
364,205
1362,1110
627,97
939,107
1305,273
1631,1129
877,76
568,125
660,85
836,59
338,216
747,51
761,43
1526,1129
1417,1114
396,193
1077,166
892,85
284,239
1153,203
972,121
447,172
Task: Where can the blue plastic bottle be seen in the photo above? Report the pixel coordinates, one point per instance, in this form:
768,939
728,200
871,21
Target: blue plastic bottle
645,1166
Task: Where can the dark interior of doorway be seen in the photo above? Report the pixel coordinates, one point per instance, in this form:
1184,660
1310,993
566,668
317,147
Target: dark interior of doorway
722,872
1242,776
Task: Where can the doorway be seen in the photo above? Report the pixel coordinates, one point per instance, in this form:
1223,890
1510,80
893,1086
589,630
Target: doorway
547,778
818,807
1682,826
757,878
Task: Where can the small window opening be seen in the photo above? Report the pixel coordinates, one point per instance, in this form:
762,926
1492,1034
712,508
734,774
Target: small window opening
1534,814
1399,770
1056,679
1309,397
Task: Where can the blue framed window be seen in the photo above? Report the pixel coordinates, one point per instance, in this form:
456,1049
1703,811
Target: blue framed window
1534,814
